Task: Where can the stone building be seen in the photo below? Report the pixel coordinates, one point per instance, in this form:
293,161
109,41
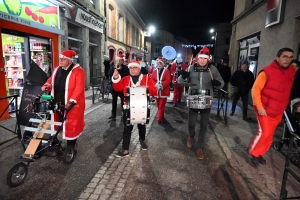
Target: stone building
125,31
260,28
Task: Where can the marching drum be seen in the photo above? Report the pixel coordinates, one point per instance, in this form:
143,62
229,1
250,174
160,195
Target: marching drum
199,102
136,105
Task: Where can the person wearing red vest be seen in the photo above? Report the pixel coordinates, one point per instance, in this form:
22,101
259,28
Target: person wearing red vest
161,77
270,94
135,79
67,85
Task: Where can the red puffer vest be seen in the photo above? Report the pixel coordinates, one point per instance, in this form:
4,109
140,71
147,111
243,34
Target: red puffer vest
275,95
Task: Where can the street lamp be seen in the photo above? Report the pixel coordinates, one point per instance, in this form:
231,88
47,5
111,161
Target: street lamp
211,30
148,32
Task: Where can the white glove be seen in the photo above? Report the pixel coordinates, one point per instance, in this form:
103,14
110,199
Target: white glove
161,87
157,86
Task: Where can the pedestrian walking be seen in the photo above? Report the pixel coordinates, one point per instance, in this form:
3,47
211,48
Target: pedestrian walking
270,94
135,79
161,77
225,73
243,80
123,71
205,77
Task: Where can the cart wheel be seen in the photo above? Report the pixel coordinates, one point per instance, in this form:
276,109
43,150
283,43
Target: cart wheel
277,145
69,155
17,175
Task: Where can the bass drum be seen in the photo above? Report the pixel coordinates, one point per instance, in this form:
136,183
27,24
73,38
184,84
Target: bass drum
136,106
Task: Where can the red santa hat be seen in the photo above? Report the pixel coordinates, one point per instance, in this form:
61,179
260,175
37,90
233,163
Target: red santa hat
204,53
67,54
120,56
160,60
134,63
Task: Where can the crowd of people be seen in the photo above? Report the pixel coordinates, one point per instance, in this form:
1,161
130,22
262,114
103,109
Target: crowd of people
274,86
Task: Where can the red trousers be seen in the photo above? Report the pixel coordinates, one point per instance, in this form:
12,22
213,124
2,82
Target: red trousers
161,104
177,94
262,141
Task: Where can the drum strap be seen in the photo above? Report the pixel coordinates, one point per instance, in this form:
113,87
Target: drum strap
147,81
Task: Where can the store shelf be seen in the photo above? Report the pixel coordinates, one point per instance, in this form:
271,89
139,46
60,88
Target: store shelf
14,53
20,66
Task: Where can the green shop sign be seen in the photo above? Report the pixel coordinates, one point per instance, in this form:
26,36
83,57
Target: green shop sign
35,13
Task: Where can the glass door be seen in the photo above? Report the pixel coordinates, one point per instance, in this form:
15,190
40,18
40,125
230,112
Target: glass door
14,64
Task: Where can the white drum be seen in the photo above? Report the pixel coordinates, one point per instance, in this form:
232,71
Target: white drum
136,105
199,102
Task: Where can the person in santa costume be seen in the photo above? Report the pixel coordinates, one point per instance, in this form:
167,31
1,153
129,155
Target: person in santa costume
123,71
161,77
136,79
67,85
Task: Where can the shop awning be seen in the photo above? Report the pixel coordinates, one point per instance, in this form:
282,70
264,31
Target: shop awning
136,52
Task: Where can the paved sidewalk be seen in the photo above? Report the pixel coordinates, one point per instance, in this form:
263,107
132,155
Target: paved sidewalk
263,182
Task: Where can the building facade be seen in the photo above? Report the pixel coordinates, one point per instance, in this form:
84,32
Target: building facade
33,37
260,28
125,31
222,41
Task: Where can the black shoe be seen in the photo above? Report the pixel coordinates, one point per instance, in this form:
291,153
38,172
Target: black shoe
175,105
261,160
254,161
122,154
179,101
112,117
159,121
231,114
143,145
247,118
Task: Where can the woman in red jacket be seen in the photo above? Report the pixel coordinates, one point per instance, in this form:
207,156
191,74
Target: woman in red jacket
161,77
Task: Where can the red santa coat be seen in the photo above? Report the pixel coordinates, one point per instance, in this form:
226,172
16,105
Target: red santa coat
75,82
121,84
164,80
174,66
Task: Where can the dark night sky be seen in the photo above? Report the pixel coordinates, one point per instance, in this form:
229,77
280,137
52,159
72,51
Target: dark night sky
188,18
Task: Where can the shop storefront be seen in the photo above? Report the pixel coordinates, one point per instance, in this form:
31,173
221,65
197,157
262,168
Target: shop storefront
29,34
84,37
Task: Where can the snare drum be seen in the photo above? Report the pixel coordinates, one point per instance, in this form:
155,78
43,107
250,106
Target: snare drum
136,105
40,107
199,102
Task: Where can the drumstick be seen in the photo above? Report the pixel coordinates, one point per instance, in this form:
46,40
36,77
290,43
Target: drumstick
212,78
190,63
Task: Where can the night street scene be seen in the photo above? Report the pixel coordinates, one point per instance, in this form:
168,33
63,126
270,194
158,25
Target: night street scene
149,99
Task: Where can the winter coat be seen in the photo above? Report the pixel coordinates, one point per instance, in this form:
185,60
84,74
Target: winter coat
276,92
75,83
144,80
295,92
164,79
225,73
195,77
243,81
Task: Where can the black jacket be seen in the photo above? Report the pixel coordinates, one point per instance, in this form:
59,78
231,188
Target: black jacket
144,71
295,92
123,72
106,64
243,81
225,73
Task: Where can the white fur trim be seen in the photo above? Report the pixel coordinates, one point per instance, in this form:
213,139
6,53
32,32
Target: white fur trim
134,65
116,80
203,56
73,100
62,56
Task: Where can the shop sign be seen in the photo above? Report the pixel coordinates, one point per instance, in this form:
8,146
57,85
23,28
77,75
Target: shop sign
275,12
39,14
88,20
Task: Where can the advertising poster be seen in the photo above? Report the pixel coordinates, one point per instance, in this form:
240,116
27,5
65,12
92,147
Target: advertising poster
39,11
